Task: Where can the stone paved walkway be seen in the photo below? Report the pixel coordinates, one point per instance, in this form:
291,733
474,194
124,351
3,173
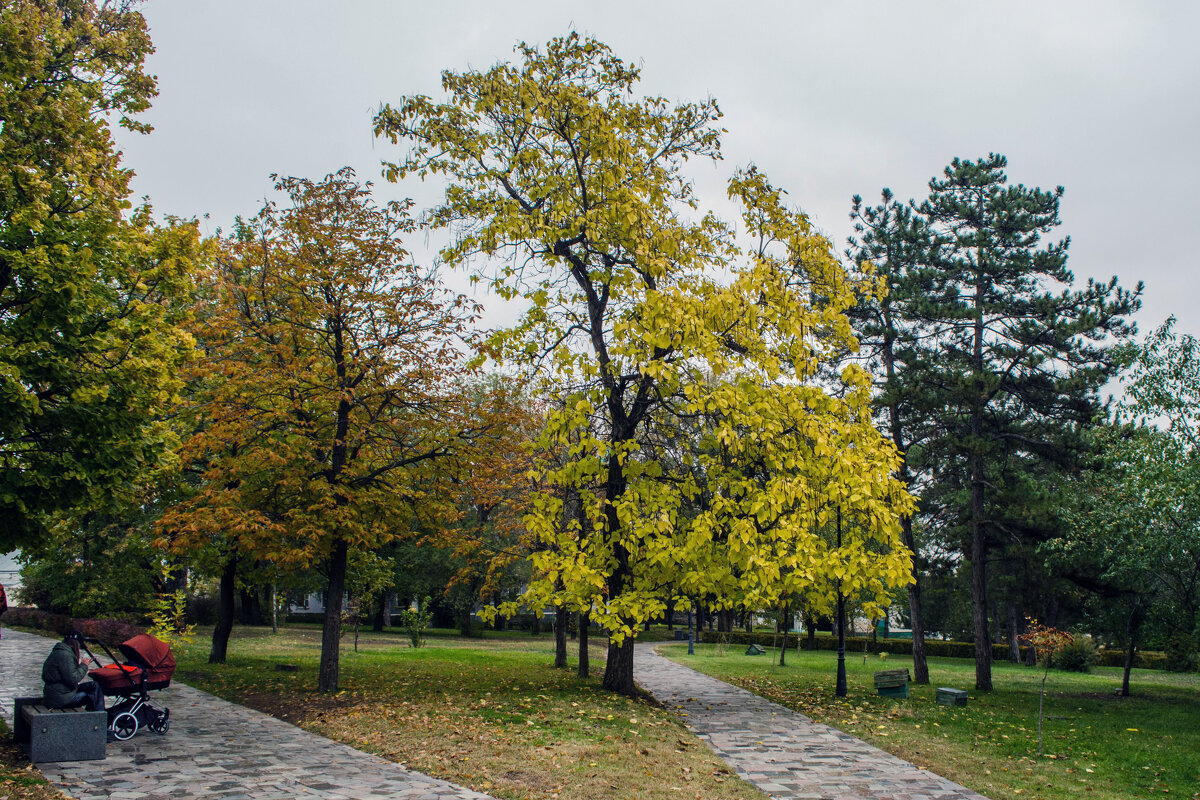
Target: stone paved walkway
785,753
215,750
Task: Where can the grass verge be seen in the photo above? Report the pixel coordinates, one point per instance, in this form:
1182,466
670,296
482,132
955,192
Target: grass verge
490,714
1097,745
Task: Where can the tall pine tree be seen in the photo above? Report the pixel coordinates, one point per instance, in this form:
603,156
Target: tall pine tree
891,332
1022,353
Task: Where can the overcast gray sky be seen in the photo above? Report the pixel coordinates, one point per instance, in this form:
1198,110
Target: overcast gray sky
830,99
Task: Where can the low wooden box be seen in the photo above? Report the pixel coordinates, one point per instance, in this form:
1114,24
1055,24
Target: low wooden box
951,697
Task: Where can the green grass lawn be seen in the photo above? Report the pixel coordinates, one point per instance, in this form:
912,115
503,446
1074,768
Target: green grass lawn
491,714
1097,745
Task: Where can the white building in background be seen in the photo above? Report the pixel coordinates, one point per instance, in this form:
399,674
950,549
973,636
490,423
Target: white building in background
10,576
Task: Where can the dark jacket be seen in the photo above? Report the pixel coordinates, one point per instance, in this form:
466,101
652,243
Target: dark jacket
62,672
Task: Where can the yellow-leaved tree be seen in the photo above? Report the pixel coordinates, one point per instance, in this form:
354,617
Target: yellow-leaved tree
649,318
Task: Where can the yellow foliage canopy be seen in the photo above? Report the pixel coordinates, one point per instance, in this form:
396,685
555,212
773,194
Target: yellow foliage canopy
694,420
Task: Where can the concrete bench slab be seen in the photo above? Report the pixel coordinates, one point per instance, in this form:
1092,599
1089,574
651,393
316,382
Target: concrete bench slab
58,734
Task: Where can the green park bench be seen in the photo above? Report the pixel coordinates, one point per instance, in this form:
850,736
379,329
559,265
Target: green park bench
892,682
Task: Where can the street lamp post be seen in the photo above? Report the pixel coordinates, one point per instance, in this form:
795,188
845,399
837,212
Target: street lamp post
841,621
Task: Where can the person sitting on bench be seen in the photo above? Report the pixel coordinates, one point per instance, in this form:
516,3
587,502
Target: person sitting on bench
65,667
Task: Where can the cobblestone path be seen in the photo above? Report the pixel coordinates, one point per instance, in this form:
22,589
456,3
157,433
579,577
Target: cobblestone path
215,750
785,753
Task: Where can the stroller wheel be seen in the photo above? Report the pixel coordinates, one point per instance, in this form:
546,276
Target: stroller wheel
124,725
160,725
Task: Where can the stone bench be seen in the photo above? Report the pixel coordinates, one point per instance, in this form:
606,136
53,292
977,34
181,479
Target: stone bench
58,734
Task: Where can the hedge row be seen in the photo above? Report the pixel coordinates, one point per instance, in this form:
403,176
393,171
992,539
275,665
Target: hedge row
110,631
934,648
854,644
1147,660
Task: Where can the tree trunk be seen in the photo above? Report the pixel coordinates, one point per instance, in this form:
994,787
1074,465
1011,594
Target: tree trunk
618,672
584,665
983,639
331,631
785,624
561,615
1133,628
381,619
251,606
1014,646
920,665
499,621
225,611
670,613
841,690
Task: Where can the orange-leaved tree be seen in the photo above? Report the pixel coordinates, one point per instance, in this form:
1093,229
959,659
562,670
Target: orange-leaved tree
1046,641
329,388
492,483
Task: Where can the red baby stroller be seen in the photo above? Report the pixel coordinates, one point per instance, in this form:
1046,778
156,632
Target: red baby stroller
149,666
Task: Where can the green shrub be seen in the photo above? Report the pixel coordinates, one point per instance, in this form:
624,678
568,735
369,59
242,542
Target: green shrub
1077,656
1181,655
416,621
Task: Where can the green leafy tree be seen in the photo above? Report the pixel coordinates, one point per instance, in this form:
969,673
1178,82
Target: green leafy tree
368,576
100,565
1022,354
1133,519
90,294
649,312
